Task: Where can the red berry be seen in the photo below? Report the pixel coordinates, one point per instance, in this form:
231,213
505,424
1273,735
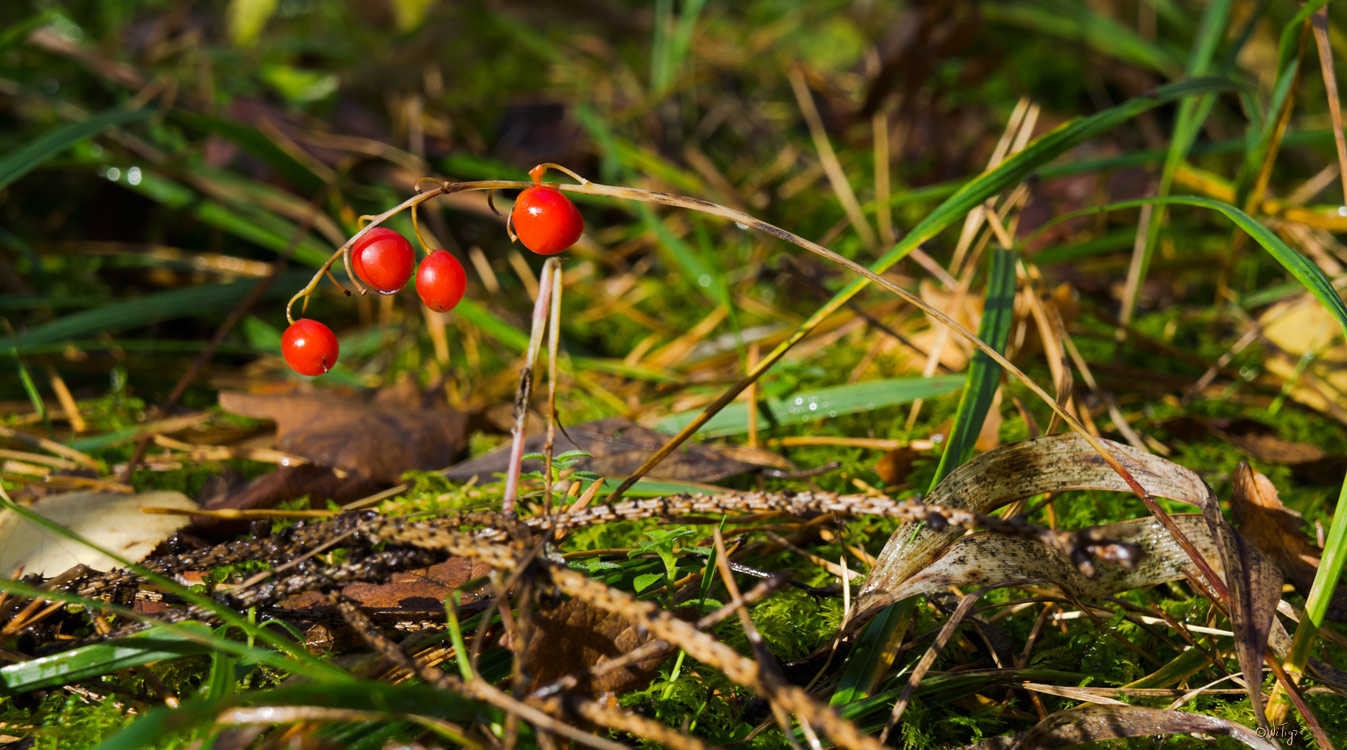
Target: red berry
383,259
370,236
545,220
440,281
310,348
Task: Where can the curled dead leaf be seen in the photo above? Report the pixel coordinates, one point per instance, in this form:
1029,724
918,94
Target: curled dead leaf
1098,723
1276,530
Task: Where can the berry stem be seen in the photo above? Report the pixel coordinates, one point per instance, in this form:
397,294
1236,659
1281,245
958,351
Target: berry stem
521,400
536,174
344,251
416,229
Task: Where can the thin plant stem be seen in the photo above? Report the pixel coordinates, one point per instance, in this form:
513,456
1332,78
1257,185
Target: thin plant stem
521,402
553,344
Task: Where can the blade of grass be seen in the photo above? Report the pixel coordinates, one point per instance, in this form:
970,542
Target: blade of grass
132,313
18,163
185,630
154,644
1266,137
808,406
393,700
264,229
1192,113
1080,23
984,377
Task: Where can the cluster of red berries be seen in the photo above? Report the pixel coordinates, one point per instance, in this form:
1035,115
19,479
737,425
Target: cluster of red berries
543,219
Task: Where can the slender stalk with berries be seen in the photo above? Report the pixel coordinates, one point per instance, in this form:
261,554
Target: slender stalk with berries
586,187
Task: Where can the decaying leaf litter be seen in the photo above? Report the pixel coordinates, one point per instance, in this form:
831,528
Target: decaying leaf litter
536,584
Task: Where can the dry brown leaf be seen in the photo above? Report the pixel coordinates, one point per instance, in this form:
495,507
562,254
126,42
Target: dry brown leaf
1260,442
1099,723
377,436
617,448
407,592
110,520
1255,587
574,636
1276,530
894,466
318,483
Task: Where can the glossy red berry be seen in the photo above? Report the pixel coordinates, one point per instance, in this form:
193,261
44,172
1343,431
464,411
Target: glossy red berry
310,348
376,233
440,281
545,220
383,259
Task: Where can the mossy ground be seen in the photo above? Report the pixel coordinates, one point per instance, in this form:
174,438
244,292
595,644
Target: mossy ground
484,91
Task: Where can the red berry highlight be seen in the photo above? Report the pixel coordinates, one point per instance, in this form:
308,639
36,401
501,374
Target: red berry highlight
545,220
383,259
310,348
440,281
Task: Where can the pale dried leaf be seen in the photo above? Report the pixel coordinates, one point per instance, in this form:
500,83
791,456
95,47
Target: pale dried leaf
110,520
1099,723
983,560
1298,326
1019,470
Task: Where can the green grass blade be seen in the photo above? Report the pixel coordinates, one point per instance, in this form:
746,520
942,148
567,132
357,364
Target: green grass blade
859,671
392,700
151,308
1078,22
984,377
1264,136
185,630
155,644
808,406
255,143
1192,113
18,163
263,229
